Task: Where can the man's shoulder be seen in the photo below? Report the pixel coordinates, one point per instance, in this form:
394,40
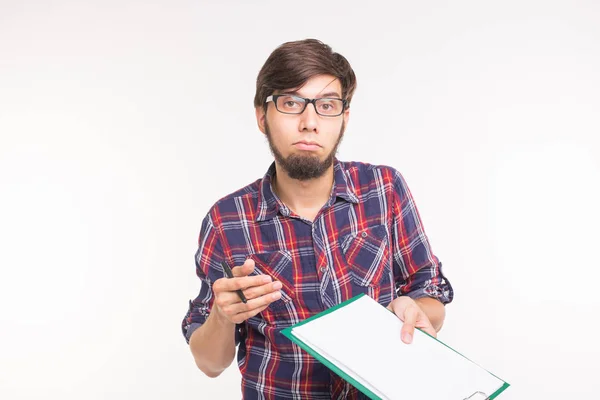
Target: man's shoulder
250,191
247,195
362,170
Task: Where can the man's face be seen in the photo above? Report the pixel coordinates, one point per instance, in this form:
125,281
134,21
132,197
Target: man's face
304,145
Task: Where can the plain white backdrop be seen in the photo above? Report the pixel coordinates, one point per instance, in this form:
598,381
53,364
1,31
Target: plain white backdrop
122,122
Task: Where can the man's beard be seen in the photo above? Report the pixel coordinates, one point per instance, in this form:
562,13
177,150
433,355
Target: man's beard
304,167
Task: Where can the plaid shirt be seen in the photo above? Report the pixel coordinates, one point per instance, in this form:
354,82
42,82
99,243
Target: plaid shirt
368,238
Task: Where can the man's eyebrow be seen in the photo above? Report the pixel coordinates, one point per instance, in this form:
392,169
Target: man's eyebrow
321,95
330,94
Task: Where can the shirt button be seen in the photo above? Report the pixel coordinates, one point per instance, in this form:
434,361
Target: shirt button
323,269
364,234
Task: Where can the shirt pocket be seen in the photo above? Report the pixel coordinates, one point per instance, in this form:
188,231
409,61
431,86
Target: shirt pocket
278,265
367,255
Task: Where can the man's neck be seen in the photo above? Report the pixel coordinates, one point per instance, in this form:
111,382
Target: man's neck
305,198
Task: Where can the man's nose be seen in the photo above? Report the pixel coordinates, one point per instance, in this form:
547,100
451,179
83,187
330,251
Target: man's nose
309,119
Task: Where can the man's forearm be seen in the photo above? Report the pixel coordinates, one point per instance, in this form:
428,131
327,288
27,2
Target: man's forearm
213,345
435,311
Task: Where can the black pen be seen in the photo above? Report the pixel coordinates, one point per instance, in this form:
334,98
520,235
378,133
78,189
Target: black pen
229,274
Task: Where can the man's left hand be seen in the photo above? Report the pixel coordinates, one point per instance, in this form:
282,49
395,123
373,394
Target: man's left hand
413,317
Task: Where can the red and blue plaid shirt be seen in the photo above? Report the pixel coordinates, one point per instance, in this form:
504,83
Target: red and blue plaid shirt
368,238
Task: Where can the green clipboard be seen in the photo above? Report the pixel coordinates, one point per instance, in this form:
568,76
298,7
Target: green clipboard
289,333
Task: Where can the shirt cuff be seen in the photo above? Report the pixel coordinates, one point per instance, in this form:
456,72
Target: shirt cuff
190,330
239,332
444,293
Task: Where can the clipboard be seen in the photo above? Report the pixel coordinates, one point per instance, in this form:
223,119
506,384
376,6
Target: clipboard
477,395
358,349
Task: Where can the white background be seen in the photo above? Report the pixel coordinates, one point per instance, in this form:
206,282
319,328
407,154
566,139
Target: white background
121,123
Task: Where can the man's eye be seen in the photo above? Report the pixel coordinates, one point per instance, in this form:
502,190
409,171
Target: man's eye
291,104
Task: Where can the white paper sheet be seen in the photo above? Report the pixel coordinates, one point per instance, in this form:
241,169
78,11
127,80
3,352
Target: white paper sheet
363,339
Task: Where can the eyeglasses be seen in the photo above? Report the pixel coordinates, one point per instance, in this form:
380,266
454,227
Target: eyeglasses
290,104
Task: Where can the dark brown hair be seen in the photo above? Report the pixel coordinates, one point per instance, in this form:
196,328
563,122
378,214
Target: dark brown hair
292,64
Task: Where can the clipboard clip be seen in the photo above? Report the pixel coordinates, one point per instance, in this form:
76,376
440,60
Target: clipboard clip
477,396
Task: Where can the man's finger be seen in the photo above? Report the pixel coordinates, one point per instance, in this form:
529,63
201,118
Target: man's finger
429,329
242,283
244,269
257,291
424,324
239,318
254,304
408,328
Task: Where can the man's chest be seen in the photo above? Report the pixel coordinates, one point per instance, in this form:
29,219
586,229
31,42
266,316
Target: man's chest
344,252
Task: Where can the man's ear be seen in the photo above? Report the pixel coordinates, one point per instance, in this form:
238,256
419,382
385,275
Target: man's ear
260,118
346,116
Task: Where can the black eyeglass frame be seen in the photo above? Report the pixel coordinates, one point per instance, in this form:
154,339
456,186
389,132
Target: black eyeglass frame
307,101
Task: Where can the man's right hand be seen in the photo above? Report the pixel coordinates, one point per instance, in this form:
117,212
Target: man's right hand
260,291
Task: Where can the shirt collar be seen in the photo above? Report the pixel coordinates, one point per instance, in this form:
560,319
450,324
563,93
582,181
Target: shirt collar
269,204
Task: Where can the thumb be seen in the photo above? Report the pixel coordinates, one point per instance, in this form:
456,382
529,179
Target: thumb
244,269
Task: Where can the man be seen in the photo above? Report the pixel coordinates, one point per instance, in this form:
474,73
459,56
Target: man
312,233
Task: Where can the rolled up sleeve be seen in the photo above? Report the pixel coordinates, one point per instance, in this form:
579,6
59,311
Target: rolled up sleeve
417,271
208,258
